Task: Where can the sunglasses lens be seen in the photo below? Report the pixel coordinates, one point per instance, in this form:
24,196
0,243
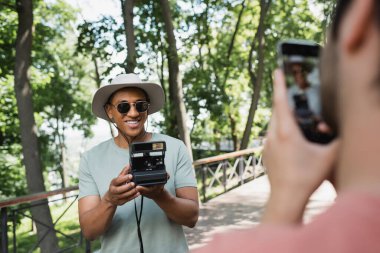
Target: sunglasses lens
142,106
123,107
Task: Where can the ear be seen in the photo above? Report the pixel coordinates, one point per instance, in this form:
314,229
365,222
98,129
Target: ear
108,112
356,23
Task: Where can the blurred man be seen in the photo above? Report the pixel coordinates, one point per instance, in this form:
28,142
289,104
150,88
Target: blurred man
351,106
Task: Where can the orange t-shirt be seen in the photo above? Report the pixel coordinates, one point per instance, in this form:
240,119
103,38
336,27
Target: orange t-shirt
351,225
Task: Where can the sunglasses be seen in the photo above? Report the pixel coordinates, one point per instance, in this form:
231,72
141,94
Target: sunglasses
124,107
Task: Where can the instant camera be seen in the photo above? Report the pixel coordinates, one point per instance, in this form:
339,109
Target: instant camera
148,163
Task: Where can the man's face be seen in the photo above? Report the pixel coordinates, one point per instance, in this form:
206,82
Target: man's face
131,122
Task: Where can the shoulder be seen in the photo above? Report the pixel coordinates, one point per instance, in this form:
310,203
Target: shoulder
170,141
98,149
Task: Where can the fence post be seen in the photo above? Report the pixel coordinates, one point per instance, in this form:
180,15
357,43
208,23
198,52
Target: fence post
88,246
204,172
241,170
4,230
254,165
224,175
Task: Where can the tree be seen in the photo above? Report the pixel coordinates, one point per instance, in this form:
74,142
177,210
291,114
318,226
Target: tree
256,78
29,140
175,79
127,7
93,41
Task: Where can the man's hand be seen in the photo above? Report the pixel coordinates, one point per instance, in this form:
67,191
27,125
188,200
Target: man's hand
295,166
152,191
121,189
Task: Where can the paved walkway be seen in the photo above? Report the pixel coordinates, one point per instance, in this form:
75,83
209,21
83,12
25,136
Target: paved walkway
243,207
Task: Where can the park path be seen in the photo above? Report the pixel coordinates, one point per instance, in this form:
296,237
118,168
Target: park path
243,207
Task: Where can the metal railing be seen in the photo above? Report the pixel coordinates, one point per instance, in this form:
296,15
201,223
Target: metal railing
215,175
18,207
219,174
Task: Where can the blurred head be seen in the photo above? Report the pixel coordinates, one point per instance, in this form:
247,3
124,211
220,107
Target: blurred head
300,75
350,65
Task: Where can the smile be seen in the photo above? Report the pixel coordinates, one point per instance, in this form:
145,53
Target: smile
132,123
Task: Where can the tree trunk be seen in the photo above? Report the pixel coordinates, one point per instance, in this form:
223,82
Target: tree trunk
234,136
97,73
127,8
256,82
175,81
226,63
232,42
29,141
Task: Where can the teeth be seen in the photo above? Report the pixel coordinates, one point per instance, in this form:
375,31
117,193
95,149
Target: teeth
132,122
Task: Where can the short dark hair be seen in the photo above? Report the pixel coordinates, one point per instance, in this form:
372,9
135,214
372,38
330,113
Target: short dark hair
341,9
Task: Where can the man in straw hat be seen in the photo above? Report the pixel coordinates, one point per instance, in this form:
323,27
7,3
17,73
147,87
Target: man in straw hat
107,193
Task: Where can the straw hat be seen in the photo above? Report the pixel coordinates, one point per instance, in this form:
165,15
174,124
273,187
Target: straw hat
153,90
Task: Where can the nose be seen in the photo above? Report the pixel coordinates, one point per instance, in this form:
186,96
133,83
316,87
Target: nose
132,111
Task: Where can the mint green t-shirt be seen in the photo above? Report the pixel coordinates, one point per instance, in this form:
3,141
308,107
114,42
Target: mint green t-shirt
104,162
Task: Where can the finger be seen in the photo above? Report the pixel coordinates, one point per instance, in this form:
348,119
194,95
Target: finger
117,190
125,170
142,189
282,111
324,128
129,194
129,198
122,179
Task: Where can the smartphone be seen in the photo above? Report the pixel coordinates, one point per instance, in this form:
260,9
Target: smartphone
299,59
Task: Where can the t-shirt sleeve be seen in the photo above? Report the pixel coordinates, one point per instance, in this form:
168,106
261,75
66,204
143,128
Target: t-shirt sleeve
87,185
184,173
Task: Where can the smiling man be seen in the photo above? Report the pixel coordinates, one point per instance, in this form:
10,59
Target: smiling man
107,193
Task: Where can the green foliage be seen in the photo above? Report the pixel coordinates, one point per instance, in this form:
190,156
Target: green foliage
60,83
217,86
8,29
60,87
97,40
12,172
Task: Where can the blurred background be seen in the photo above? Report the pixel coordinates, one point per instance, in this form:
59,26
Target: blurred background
214,59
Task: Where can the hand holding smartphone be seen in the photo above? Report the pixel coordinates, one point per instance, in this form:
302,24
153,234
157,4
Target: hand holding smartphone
299,60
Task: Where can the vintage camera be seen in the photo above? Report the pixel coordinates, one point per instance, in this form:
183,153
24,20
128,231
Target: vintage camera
148,163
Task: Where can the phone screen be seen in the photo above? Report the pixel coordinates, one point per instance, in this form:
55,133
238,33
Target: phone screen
300,62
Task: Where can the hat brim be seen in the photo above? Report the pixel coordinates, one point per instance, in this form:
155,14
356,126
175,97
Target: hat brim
154,91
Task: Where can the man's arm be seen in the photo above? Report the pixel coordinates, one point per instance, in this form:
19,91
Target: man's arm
295,166
95,213
95,216
183,208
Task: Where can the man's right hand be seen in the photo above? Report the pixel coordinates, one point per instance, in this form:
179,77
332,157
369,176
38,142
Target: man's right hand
121,189
295,166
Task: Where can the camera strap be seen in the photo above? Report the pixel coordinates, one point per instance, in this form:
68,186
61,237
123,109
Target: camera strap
138,217
138,221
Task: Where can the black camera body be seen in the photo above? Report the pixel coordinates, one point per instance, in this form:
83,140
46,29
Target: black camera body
148,163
